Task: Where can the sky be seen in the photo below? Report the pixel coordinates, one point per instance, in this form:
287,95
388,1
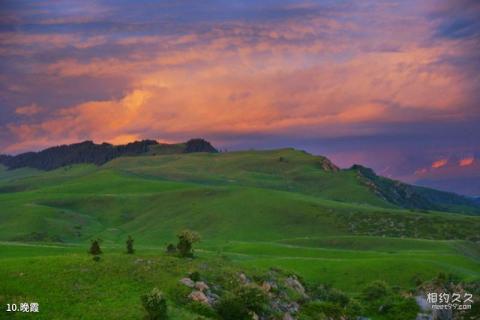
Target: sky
392,85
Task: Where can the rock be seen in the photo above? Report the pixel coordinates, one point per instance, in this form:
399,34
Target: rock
288,316
188,282
138,261
212,297
243,278
293,283
201,286
293,307
423,316
266,286
198,296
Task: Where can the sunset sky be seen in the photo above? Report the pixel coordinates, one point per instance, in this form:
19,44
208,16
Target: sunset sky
393,85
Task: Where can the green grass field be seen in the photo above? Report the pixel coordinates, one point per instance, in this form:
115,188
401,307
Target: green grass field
253,212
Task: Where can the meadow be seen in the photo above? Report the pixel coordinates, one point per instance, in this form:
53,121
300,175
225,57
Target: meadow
255,210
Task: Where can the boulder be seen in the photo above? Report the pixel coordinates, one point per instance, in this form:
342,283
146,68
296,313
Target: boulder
201,286
198,296
188,282
266,286
243,278
293,283
288,316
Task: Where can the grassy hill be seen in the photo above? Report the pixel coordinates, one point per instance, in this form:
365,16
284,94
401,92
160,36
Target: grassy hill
255,210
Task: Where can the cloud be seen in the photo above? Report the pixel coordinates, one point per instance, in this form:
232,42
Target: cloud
28,110
439,163
400,75
466,162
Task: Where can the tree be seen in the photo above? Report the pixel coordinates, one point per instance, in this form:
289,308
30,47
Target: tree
171,248
186,239
155,304
129,243
95,247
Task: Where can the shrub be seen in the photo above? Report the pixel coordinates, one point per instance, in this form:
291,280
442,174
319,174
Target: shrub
195,276
401,308
95,247
354,310
242,302
129,243
327,293
230,307
186,239
171,248
252,297
375,291
202,309
314,310
96,258
179,294
155,305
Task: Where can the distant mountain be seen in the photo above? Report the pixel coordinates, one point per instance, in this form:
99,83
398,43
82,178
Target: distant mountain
89,152
414,197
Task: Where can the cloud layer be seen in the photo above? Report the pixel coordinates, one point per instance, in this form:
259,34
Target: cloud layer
354,80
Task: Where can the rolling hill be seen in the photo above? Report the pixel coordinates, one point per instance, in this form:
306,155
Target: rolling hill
255,210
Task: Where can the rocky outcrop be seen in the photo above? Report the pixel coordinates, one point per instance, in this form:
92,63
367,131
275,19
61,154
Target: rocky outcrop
413,197
199,145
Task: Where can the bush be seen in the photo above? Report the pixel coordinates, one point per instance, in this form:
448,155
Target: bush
315,310
354,310
171,248
327,293
252,297
375,291
95,247
155,305
195,276
179,294
202,309
401,308
96,258
129,243
241,303
230,307
186,239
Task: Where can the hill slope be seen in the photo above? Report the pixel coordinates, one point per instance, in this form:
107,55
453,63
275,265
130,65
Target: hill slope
241,196
282,210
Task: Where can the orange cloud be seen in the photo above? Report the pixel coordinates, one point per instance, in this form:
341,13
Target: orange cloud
439,163
248,79
466,162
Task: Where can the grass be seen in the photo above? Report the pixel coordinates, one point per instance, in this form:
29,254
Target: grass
254,212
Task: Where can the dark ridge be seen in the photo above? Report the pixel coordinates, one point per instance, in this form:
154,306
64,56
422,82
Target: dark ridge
199,145
4,158
414,197
89,152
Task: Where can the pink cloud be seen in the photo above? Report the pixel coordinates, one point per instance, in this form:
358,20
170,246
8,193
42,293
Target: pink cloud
439,163
466,162
28,110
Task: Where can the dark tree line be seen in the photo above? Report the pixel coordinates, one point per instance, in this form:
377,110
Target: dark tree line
89,152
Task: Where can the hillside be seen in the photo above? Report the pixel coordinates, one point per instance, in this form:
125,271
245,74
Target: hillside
223,195
283,169
258,212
